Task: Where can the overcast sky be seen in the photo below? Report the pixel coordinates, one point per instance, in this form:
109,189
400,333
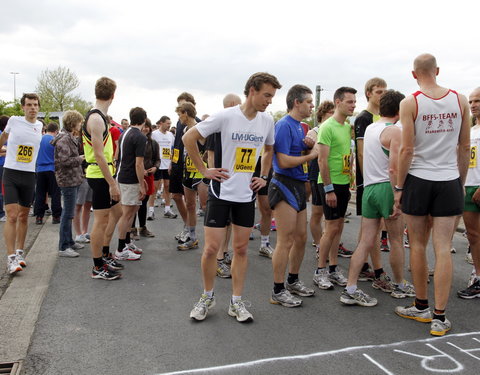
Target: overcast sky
155,50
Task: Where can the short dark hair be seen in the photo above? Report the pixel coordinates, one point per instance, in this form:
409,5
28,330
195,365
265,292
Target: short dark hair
163,119
298,92
187,108
137,116
390,103
148,124
105,88
258,79
340,93
52,127
70,120
187,97
3,122
31,96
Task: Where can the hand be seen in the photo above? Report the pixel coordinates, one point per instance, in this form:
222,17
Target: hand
257,184
309,142
331,199
217,174
114,192
143,190
398,199
476,197
152,170
396,212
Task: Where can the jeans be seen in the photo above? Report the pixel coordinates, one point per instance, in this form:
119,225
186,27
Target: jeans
69,195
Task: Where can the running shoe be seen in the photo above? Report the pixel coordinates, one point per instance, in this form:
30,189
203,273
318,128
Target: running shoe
453,250
357,298
112,263
77,246
407,291
3,219
223,270
185,237
13,265
384,245
240,312
227,258
181,234
68,253
151,216
439,328
266,251
126,254
411,312
285,298
337,277
201,308
299,288
343,251
21,257
134,248
200,213
105,273
189,245
81,239
320,278
56,220
384,283
48,212
134,234
366,275
170,215
252,236
473,291
144,232
39,220
472,278
273,225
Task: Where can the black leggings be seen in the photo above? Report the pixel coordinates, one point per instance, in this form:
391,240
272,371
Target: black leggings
142,214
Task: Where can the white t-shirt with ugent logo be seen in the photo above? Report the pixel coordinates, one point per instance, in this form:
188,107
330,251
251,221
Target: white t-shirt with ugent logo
23,143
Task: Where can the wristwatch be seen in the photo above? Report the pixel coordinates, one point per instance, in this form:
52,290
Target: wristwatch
264,177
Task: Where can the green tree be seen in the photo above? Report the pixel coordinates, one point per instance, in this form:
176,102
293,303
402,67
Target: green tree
10,108
55,88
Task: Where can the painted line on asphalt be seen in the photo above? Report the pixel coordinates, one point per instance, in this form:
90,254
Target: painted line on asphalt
318,354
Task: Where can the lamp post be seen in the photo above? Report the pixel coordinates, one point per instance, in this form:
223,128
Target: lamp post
14,86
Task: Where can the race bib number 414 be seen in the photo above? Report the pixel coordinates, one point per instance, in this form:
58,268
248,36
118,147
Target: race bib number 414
245,159
24,154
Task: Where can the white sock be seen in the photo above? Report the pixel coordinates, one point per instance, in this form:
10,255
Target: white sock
167,208
151,209
236,299
209,293
265,240
351,289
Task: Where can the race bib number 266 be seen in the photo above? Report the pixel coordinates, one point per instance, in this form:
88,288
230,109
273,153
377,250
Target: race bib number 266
24,154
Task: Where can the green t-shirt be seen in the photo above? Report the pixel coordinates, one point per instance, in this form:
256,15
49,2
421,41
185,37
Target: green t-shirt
338,138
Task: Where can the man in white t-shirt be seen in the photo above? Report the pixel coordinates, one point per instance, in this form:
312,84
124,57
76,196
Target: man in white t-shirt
165,140
24,135
242,131
433,164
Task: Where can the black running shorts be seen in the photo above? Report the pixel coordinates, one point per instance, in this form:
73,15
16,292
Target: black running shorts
343,197
220,213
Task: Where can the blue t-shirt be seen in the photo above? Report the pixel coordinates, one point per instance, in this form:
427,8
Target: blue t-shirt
2,158
289,137
46,155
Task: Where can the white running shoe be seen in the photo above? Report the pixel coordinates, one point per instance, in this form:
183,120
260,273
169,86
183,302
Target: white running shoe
21,258
12,264
68,253
126,254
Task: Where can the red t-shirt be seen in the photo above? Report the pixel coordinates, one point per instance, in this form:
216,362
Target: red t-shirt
115,133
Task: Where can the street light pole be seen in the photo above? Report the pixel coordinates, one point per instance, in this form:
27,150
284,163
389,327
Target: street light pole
14,86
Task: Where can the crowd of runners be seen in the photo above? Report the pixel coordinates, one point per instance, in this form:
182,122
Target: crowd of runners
416,172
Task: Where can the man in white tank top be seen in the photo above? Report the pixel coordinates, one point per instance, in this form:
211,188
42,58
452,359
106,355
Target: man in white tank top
436,128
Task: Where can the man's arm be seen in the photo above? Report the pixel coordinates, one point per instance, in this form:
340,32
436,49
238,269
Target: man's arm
463,149
324,151
266,165
393,136
360,154
3,139
190,139
288,161
140,172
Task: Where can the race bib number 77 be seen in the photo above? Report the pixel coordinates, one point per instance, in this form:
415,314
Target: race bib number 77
24,154
245,159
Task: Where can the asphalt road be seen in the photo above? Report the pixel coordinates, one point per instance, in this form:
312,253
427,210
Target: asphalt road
140,324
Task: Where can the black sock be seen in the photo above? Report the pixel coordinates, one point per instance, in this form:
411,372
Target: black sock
278,287
421,304
365,267
121,245
384,234
220,260
331,268
292,278
439,314
98,262
378,273
320,268
127,237
106,251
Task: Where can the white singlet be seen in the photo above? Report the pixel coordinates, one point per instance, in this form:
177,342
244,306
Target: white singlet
237,149
437,126
473,174
23,143
165,143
